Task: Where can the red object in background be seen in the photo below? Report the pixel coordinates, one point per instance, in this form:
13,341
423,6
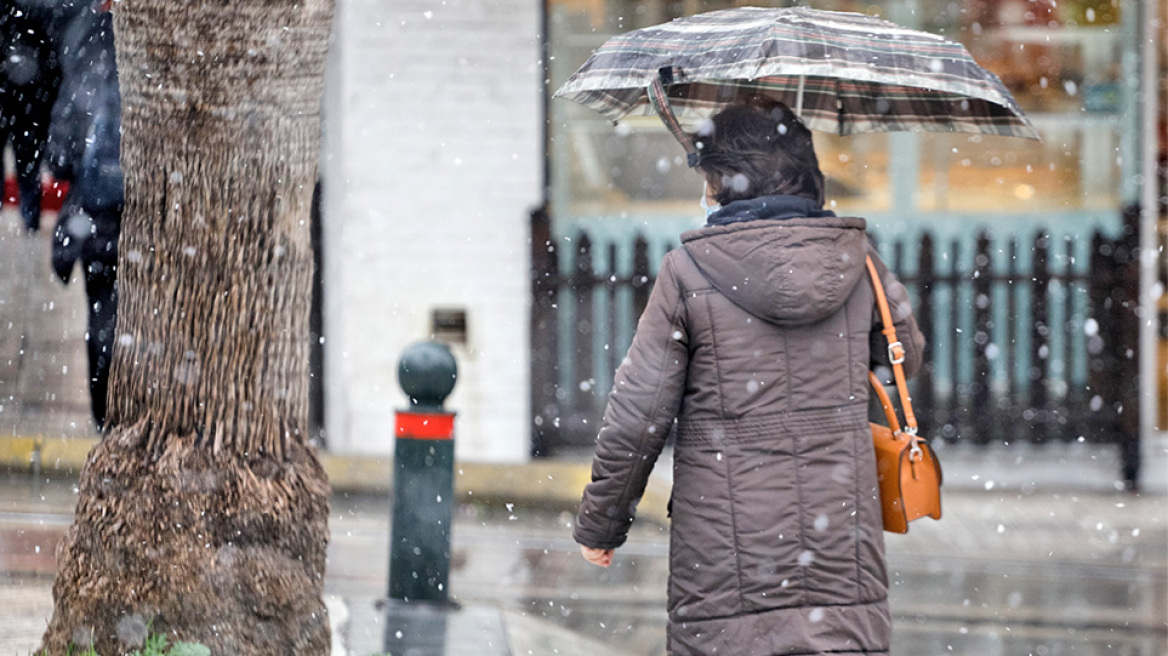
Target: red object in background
11,192
52,193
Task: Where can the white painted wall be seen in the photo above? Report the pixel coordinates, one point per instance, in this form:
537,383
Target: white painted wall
433,160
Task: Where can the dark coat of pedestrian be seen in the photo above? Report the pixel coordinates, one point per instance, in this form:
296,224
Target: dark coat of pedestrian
84,149
754,351
29,76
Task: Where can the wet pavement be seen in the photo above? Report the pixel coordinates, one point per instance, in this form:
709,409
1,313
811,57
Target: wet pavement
43,366
1005,572
1037,553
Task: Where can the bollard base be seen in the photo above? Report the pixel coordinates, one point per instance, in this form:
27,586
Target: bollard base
423,500
424,628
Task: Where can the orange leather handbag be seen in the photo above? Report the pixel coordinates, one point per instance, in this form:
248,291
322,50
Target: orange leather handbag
906,467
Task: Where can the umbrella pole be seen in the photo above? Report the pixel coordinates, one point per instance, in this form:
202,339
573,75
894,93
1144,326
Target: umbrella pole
660,102
799,97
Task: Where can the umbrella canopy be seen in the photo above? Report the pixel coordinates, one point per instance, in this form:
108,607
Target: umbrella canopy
842,72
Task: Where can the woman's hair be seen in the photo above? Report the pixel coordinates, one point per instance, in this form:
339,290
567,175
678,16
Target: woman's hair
760,148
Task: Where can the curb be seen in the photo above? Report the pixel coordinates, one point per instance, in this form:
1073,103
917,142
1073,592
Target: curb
545,483
39,454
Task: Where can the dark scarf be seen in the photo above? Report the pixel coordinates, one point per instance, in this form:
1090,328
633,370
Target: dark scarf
768,207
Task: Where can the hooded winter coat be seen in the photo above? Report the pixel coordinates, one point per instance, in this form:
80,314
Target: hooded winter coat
756,341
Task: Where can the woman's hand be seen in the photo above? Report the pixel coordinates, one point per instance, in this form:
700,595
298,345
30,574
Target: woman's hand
600,557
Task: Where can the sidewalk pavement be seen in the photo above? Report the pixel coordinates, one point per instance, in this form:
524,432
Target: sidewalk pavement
1037,554
559,481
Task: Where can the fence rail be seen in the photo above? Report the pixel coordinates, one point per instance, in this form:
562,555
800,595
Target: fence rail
1027,338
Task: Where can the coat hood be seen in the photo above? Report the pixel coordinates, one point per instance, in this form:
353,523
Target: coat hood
788,272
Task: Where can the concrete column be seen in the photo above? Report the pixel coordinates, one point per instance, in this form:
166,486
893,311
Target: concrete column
435,161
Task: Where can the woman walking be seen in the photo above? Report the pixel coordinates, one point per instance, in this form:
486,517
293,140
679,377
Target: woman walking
754,349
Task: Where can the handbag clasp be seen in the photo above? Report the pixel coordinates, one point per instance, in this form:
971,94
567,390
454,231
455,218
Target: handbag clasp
915,454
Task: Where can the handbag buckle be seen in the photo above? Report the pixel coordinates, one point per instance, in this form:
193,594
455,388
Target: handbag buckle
915,453
896,353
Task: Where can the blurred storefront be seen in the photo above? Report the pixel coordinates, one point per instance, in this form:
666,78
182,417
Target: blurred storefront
957,204
1064,66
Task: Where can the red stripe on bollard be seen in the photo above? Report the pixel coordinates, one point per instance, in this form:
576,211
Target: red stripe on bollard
425,426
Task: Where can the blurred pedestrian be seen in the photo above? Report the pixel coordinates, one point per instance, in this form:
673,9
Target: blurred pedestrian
754,350
84,148
28,86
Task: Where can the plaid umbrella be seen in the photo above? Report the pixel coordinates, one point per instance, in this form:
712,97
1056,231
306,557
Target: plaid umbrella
842,72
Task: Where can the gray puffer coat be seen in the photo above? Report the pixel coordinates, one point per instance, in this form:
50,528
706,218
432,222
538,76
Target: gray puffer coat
757,340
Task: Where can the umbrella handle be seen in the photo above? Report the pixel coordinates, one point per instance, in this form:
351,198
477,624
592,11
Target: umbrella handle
660,101
799,97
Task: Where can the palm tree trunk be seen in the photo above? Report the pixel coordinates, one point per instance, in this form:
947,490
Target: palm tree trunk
203,512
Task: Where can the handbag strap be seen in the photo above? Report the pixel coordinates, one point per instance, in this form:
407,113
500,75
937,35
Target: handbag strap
895,356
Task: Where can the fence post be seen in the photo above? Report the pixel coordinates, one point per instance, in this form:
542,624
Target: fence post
980,383
583,282
1126,304
611,283
1110,364
545,339
1102,370
926,396
956,410
1072,404
1039,336
1012,332
642,285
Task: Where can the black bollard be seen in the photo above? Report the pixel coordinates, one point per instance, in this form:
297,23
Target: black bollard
423,480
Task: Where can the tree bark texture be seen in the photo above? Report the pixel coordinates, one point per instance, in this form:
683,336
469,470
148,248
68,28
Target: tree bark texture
203,511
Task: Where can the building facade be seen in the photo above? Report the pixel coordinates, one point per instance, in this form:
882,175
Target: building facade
432,164
437,156
455,193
